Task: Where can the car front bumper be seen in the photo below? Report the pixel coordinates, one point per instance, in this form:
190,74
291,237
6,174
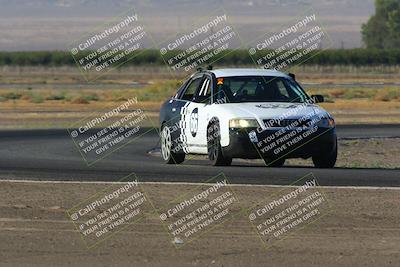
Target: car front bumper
287,145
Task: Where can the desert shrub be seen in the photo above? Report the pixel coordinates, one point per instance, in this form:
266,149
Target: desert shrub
387,95
58,96
159,91
12,95
36,98
91,97
337,93
358,93
79,100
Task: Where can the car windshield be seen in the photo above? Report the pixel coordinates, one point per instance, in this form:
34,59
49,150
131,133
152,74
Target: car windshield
259,89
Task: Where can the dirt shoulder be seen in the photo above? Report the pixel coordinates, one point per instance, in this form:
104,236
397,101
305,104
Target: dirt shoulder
362,229
363,153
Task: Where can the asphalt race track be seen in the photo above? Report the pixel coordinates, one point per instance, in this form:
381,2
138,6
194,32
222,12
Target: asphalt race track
51,155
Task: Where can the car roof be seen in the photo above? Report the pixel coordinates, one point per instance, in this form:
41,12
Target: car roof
247,72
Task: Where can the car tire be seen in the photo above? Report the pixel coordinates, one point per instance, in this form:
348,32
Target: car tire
326,160
274,162
215,153
167,154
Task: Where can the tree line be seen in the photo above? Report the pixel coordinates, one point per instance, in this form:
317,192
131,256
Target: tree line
357,57
382,31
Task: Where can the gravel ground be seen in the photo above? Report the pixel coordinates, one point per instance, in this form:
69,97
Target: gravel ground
363,153
360,229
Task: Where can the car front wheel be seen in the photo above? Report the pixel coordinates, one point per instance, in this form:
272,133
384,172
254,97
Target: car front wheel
325,160
214,146
167,151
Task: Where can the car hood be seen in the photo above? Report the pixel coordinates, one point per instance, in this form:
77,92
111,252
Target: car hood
271,110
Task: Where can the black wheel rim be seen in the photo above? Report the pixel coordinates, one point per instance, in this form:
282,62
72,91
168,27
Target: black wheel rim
213,145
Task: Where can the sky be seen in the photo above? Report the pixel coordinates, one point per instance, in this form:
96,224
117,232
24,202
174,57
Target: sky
54,24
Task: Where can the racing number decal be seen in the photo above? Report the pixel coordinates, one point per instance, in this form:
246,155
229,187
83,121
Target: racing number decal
194,121
182,125
189,124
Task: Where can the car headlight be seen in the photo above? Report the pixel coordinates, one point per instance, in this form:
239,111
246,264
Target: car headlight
243,123
326,123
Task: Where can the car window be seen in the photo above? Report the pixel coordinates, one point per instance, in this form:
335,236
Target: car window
203,94
260,89
282,89
181,88
191,89
205,89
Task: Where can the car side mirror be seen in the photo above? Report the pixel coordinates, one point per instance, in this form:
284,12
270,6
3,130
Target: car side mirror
318,98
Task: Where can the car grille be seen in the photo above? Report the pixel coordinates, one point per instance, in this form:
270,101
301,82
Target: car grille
287,122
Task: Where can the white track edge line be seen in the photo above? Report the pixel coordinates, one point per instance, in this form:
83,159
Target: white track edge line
196,184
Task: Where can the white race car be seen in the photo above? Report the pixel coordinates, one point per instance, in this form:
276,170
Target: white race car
246,113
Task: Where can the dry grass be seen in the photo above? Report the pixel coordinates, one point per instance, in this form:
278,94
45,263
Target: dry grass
378,94
45,106
363,106
155,92
71,75
58,114
44,113
364,111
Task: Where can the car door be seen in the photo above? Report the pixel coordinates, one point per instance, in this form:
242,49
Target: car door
196,117
183,107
